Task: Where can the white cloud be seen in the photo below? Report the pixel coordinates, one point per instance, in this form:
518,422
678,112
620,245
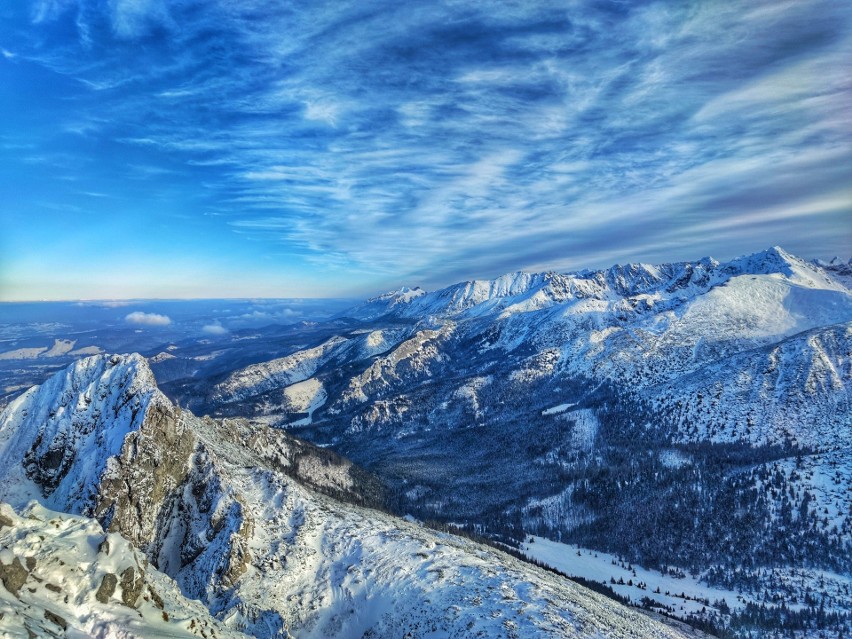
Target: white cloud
215,329
148,319
131,18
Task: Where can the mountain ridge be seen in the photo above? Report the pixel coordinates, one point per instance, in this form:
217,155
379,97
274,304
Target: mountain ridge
626,280
225,509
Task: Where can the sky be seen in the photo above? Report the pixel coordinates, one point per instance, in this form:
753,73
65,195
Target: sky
212,148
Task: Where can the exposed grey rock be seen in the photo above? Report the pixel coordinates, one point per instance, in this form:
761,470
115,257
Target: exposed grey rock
56,619
145,476
107,588
13,576
156,598
132,583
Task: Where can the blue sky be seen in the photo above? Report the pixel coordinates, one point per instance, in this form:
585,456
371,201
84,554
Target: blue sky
211,148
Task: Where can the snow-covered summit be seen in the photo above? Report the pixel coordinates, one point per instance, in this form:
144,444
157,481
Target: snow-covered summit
387,302
65,430
839,269
777,262
402,295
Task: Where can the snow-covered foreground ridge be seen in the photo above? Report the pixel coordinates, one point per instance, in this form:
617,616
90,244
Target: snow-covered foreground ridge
63,576
241,517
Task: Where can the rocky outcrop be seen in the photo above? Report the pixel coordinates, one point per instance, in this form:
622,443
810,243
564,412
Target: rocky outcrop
13,575
107,588
132,582
142,481
99,595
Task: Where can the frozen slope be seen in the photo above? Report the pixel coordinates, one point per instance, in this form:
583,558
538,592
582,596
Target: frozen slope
224,508
347,572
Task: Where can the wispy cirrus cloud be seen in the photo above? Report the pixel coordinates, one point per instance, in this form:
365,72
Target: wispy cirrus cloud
446,140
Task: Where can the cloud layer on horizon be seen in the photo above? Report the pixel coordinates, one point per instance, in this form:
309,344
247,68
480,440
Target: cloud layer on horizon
437,141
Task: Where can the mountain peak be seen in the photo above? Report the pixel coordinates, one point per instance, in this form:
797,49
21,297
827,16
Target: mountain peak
776,261
401,295
67,428
524,291
772,260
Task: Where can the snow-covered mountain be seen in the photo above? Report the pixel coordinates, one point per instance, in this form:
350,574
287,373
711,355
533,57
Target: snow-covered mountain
838,269
266,531
559,404
666,285
766,334
691,418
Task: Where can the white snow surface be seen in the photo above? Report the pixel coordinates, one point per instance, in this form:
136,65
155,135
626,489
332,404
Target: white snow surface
24,353
305,397
678,589
555,410
60,348
66,565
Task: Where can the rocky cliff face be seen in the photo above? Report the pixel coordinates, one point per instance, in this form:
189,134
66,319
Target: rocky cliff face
101,440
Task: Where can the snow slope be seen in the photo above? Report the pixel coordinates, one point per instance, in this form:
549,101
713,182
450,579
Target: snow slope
332,572
676,590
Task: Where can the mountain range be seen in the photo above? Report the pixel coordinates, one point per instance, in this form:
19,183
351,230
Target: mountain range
693,419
